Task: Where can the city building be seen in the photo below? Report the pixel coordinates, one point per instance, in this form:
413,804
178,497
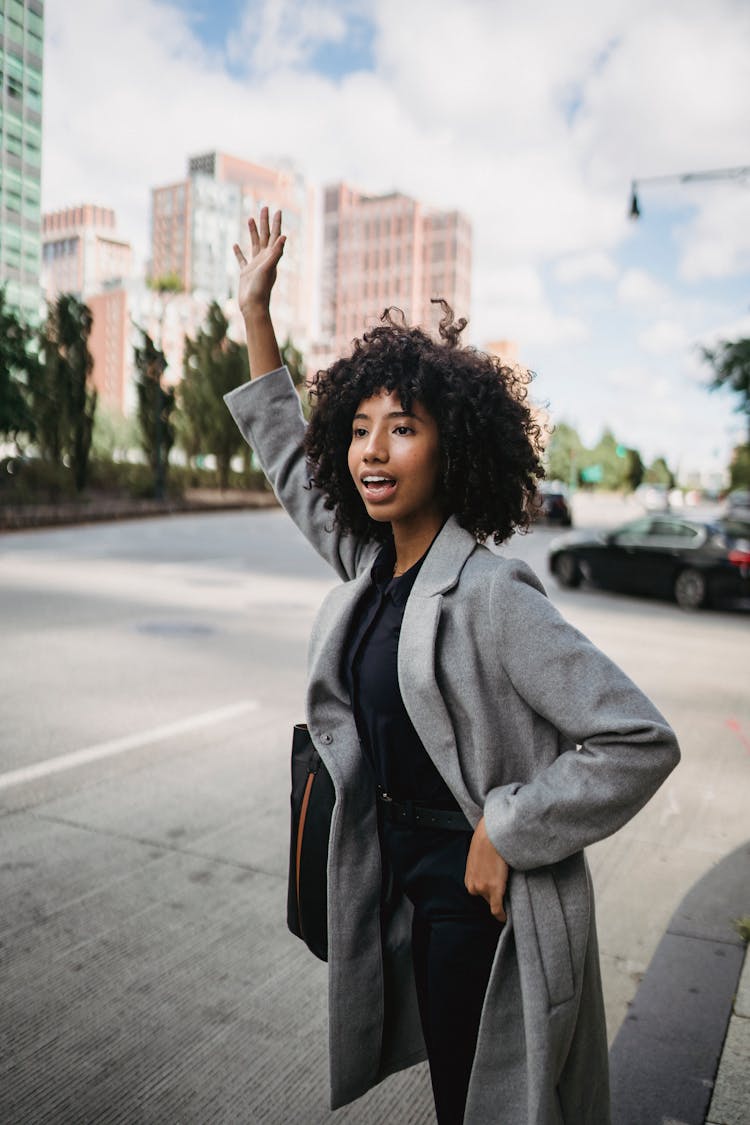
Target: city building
381,250
21,52
505,350
119,314
195,223
82,253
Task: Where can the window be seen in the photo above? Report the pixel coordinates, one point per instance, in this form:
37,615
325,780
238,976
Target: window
14,115
636,532
33,97
35,23
674,533
34,42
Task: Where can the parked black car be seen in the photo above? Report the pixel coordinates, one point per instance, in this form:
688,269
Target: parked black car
692,561
552,506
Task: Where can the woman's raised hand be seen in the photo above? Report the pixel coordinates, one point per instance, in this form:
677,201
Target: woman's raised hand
257,276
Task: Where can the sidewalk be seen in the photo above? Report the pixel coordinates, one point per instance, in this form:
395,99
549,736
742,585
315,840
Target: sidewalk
682,1056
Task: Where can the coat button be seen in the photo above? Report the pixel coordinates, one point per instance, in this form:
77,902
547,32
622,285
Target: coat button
326,739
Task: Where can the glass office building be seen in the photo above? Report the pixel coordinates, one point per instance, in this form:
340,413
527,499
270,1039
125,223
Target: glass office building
21,47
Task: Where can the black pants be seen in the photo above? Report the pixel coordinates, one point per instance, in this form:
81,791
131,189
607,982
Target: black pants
454,937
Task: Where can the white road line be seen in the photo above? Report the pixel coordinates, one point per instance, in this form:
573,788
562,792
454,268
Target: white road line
120,745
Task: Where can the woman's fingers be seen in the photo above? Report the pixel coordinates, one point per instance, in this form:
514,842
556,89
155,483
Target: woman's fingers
264,228
254,238
497,908
276,249
239,255
486,871
276,226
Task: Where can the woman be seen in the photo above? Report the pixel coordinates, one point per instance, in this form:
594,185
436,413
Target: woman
477,742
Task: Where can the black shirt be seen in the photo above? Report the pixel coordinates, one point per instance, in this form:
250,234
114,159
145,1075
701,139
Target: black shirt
400,763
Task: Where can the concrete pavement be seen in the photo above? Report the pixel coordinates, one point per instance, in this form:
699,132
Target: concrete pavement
684,1042
145,971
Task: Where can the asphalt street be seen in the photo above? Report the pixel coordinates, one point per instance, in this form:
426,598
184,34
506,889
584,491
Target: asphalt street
151,674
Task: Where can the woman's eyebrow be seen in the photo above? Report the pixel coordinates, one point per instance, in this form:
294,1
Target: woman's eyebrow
393,414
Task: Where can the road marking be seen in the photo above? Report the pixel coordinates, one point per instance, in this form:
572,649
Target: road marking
120,745
736,727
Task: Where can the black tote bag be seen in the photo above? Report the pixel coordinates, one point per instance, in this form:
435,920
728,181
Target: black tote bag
312,800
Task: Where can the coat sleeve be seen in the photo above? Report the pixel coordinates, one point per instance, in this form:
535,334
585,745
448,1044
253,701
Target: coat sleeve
625,748
269,415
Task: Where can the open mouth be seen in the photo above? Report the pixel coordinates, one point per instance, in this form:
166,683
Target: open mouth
378,487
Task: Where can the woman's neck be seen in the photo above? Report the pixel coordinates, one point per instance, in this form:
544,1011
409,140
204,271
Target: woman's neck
413,540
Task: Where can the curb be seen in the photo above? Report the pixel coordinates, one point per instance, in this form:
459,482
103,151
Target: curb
30,516
664,1060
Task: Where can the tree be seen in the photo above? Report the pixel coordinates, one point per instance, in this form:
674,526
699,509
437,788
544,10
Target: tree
155,406
293,359
611,457
634,469
114,434
213,365
659,472
63,399
167,283
731,364
739,468
564,454
18,365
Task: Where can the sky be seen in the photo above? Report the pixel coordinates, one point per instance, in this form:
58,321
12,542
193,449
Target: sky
532,117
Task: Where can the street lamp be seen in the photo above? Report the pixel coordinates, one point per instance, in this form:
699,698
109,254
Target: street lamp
684,178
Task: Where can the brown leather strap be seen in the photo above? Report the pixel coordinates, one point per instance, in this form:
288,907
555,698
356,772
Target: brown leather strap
300,834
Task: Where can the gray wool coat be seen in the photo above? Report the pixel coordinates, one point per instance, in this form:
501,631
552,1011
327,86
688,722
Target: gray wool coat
530,725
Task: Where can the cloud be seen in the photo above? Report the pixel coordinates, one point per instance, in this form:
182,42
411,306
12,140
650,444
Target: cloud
284,34
715,243
639,287
593,265
663,337
533,119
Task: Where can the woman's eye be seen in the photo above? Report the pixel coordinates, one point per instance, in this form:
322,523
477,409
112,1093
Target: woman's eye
358,432
401,430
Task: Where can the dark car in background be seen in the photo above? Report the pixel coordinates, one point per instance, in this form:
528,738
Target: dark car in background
552,505
738,504
693,561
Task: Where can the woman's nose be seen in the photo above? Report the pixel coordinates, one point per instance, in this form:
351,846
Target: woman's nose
375,449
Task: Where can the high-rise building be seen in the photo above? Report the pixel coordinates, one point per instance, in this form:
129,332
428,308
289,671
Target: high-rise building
21,50
194,224
82,252
389,250
120,312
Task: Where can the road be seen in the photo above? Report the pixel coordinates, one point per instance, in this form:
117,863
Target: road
151,673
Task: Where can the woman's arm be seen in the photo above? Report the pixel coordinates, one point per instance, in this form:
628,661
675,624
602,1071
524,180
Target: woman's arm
267,410
625,746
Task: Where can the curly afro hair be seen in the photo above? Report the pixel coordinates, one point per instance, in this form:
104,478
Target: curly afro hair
489,441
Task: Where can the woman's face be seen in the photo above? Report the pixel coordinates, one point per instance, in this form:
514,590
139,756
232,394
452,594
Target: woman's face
394,459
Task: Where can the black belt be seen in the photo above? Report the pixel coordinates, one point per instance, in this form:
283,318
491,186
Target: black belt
416,815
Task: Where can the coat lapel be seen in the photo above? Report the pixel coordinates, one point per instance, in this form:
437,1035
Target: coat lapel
416,657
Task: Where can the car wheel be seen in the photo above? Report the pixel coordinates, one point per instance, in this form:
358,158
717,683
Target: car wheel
567,570
690,589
